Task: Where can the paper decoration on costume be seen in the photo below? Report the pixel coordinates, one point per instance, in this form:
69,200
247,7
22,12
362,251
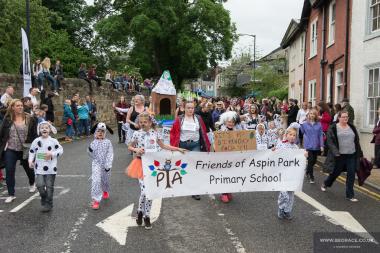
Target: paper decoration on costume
165,85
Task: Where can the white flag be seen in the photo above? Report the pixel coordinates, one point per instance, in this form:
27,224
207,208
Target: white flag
26,63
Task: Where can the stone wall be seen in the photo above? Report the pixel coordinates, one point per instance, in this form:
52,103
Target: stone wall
103,97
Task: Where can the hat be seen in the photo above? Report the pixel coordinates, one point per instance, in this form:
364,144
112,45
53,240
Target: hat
101,126
52,128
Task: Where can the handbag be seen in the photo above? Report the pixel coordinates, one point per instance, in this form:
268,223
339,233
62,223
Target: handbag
25,146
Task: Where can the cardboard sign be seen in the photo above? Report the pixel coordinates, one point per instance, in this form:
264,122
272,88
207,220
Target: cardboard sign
234,140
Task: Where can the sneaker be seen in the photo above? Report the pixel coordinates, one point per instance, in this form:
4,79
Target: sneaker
229,195
95,205
139,218
56,93
147,223
288,216
352,199
281,214
10,199
323,188
311,181
196,197
224,198
32,188
106,195
45,209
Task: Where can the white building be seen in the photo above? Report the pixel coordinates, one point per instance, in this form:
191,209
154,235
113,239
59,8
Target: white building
365,68
294,42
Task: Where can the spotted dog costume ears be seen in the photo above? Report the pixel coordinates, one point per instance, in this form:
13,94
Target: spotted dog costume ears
52,128
102,126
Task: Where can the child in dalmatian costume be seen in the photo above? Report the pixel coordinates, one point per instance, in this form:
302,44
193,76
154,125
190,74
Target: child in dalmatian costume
262,139
286,198
43,155
272,134
146,140
101,152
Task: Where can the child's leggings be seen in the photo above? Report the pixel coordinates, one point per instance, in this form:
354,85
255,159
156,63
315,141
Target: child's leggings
100,182
144,204
286,201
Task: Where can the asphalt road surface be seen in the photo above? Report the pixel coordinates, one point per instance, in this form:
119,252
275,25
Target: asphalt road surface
247,224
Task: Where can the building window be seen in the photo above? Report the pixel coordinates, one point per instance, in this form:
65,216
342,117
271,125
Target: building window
292,91
302,47
332,13
339,90
373,96
312,92
300,88
375,15
328,88
313,38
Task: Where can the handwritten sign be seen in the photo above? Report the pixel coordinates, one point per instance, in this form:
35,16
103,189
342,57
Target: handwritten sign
234,140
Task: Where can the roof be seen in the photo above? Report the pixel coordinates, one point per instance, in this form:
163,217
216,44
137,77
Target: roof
275,54
291,33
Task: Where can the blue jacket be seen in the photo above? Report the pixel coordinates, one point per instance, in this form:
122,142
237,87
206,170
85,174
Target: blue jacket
216,115
83,112
312,136
67,113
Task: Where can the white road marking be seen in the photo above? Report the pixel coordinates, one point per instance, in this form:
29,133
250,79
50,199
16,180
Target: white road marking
71,176
74,231
23,204
1,211
233,237
117,224
341,218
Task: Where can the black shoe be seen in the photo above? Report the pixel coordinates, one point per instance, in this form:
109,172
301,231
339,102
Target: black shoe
288,216
196,197
147,223
139,218
46,208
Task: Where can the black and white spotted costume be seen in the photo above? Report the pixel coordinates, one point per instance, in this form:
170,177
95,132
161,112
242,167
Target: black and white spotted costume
101,153
148,141
285,198
40,146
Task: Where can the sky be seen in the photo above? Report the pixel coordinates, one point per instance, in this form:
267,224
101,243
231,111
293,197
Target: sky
267,19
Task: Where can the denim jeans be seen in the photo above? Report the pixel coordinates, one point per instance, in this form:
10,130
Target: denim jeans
342,162
10,158
83,127
69,131
45,185
191,146
51,80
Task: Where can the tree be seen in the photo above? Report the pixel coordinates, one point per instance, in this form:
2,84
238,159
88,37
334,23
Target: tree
12,18
44,41
71,17
183,36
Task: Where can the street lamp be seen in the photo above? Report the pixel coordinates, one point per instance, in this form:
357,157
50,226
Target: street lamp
254,52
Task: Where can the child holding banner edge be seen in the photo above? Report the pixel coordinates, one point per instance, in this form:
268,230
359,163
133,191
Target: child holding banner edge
286,198
145,140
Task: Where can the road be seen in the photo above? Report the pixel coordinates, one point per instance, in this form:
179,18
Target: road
247,224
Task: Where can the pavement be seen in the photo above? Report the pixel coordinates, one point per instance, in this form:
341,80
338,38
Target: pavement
247,224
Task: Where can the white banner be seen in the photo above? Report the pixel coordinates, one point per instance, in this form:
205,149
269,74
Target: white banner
26,63
171,174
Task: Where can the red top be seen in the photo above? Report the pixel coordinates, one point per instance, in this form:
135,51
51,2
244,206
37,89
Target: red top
325,121
175,134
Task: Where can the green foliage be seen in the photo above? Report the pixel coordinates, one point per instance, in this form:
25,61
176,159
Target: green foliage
182,36
44,40
12,18
70,16
269,79
280,93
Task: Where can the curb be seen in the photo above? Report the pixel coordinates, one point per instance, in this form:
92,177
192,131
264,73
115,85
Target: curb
372,185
